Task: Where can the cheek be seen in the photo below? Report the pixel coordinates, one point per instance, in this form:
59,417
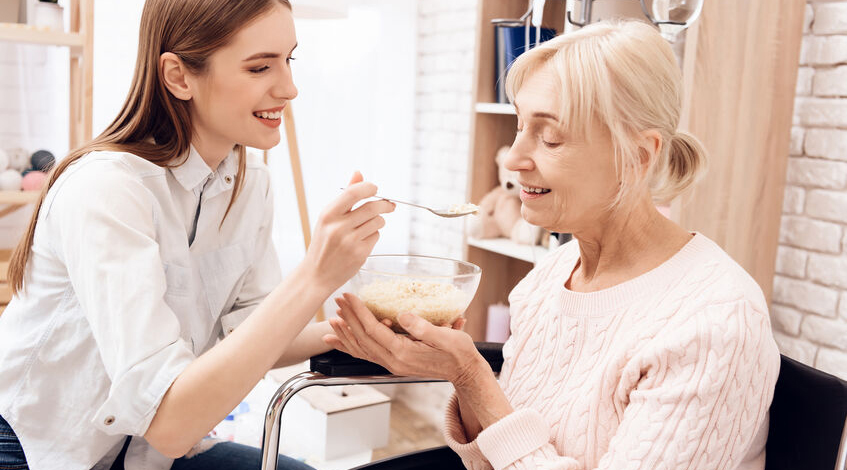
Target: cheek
230,94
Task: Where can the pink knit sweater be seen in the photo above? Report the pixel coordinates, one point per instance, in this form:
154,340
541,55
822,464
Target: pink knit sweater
674,369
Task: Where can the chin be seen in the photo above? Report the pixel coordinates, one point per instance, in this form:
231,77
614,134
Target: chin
262,143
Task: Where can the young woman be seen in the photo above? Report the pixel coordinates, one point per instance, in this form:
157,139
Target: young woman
152,242
637,346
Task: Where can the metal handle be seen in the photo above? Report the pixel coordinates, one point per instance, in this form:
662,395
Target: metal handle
585,16
656,22
271,435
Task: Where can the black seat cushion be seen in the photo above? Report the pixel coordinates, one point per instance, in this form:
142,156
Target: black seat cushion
806,418
338,364
440,458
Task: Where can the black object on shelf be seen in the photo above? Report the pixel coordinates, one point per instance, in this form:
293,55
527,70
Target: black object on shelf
42,160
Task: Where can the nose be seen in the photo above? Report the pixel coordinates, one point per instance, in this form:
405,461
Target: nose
518,158
284,88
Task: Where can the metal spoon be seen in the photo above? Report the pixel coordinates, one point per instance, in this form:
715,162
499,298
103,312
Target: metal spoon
448,213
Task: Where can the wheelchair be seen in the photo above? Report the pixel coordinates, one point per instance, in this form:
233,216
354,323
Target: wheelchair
806,432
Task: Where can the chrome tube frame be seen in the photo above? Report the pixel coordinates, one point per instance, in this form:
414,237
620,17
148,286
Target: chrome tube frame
841,462
273,416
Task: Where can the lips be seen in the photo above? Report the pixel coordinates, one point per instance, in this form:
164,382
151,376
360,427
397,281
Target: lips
272,113
534,189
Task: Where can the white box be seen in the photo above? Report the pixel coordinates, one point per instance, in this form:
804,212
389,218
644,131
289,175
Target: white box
333,422
47,15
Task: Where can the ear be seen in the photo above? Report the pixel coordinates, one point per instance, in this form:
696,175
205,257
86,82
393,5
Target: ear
175,75
650,144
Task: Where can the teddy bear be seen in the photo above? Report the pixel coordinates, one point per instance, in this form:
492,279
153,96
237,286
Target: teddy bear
500,210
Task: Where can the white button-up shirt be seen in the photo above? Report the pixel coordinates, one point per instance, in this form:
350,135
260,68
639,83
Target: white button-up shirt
117,303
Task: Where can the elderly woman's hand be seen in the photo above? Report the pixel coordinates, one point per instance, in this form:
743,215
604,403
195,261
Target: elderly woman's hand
429,351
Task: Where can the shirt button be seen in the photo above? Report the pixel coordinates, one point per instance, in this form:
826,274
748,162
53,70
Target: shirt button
228,179
109,420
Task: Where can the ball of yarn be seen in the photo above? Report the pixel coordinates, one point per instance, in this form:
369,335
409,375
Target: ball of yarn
33,181
18,158
10,180
42,160
4,160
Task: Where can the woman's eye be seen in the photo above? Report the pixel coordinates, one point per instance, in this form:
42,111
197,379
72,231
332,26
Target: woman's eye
289,59
550,145
259,69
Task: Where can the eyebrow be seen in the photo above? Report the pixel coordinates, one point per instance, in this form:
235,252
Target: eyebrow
539,114
267,55
545,116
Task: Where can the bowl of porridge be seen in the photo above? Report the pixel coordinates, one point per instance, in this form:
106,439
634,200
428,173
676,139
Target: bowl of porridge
438,290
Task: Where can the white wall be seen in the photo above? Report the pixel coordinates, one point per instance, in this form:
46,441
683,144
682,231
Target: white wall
354,112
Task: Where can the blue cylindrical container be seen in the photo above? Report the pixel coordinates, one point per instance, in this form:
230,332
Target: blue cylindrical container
511,37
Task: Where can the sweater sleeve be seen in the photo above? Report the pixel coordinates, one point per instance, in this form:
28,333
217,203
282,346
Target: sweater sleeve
701,398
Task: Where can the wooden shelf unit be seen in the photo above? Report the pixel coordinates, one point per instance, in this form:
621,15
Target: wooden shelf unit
14,32
739,78
80,41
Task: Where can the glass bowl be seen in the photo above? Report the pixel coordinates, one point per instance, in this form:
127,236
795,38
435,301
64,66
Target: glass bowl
438,290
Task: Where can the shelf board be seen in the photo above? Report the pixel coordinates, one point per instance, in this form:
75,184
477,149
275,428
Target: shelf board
506,247
19,197
15,32
495,108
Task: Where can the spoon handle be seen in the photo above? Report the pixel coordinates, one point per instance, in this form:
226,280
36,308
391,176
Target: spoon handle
404,202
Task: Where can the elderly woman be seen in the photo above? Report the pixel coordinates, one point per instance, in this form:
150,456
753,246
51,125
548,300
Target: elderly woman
638,345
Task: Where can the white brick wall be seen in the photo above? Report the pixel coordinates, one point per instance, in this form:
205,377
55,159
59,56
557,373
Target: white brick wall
446,39
440,161
809,308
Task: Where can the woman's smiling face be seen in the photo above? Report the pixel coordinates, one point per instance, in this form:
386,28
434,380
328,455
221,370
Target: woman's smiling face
568,182
247,84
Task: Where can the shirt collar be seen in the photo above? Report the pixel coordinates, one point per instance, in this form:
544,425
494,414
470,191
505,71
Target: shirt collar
194,171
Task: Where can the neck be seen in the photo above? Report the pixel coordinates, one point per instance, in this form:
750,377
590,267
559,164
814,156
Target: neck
627,243
213,153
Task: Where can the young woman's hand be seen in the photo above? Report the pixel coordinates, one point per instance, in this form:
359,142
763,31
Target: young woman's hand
344,236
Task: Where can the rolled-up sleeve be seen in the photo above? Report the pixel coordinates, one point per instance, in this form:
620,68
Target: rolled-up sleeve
106,219
264,273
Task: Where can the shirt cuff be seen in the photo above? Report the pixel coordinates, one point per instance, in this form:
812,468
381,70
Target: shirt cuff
135,394
231,320
454,435
513,437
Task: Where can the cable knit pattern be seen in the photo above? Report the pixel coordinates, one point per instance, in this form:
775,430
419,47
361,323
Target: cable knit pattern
672,370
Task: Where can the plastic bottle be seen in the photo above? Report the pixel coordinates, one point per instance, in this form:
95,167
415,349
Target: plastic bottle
228,428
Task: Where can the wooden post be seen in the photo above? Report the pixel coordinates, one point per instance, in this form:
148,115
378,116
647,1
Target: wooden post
297,175
81,74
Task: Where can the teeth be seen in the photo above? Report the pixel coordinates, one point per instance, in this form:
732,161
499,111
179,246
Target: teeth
530,189
267,115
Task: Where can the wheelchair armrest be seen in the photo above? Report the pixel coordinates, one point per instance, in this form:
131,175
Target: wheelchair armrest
338,364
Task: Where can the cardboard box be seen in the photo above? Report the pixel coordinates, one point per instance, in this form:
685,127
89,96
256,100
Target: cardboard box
10,11
333,422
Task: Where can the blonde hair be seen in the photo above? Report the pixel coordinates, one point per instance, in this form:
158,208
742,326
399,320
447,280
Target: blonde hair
622,75
152,123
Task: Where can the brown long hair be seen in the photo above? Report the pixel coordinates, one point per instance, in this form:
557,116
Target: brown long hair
152,123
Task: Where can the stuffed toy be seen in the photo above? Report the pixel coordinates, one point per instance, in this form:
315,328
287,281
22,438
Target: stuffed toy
500,210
